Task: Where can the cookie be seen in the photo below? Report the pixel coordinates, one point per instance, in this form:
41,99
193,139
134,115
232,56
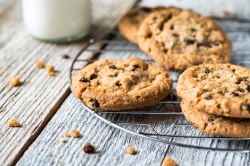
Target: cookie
121,84
216,125
178,39
221,89
130,22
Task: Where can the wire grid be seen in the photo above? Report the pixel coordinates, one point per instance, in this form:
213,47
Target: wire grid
164,122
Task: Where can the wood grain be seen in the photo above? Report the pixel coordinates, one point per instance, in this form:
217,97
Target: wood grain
46,150
110,142
37,100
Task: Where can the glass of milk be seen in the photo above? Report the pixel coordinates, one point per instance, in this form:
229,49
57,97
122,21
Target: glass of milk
57,20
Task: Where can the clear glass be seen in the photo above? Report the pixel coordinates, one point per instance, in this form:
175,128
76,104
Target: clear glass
57,20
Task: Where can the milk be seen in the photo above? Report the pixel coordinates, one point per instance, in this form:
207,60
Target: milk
57,20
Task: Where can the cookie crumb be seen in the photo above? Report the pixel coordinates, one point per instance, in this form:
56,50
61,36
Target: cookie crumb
130,150
89,148
50,68
67,134
75,133
40,64
134,67
62,140
65,56
169,162
15,81
14,123
51,73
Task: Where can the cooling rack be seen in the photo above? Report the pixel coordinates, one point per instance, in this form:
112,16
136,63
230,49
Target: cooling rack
164,122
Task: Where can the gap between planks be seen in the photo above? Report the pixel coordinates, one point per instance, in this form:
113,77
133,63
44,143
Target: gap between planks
36,131
40,127
43,124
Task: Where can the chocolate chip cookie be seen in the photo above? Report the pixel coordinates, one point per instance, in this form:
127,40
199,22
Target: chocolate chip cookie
221,89
216,125
121,84
130,23
178,39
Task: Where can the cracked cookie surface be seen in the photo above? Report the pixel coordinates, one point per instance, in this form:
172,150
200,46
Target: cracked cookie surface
221,89
121,84
130,22
216,125
178,39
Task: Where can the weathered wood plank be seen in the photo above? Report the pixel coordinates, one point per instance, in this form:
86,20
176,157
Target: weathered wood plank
36,101
46,150
111,142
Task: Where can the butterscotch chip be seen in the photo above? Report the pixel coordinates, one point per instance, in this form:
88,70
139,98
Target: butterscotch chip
169,162
14,123
75,133
50,68
62,140
40,64
130,150
67,134
15,81
51,73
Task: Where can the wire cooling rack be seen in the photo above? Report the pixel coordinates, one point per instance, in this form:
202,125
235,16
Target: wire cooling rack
164,122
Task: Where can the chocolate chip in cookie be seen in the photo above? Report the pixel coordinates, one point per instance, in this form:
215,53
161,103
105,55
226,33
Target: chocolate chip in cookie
118,83
206,70
92,76
189,41
204,43
208,97
95,103
84,80
245,106
235,94
112,67
134,67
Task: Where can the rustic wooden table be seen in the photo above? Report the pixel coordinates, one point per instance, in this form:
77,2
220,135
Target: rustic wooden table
47,109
